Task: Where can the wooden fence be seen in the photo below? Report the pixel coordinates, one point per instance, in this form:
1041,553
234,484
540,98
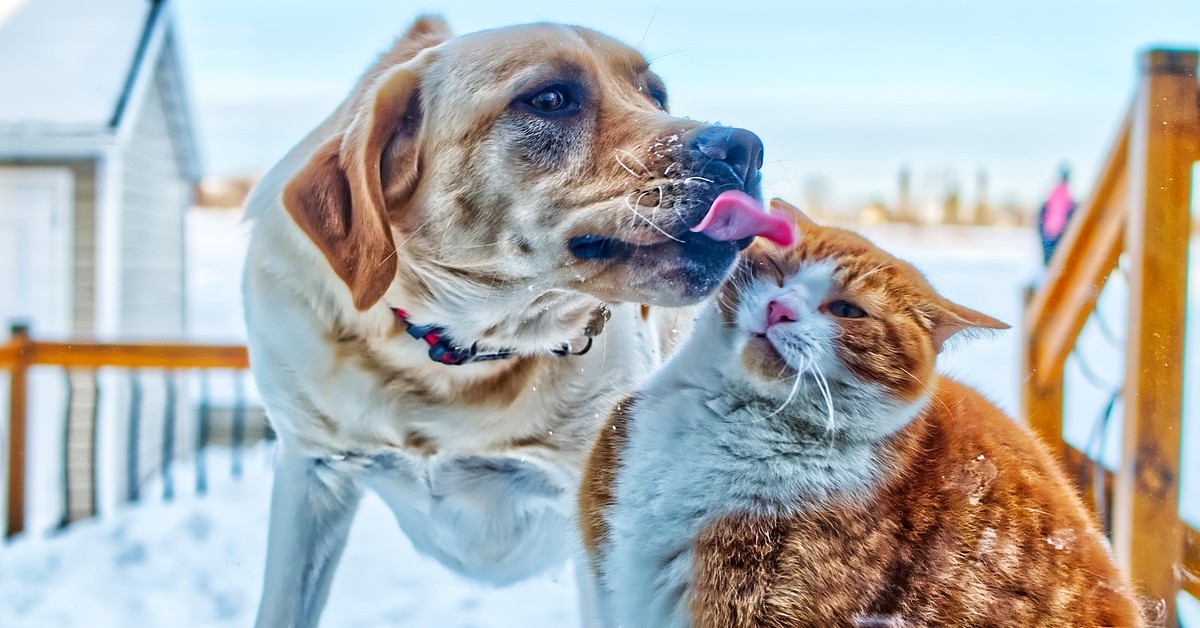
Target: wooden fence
1139,209
22,353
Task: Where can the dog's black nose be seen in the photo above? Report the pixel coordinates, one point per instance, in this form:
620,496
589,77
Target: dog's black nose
739,148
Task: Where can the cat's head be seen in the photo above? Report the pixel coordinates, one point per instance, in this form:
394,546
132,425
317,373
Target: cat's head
841,313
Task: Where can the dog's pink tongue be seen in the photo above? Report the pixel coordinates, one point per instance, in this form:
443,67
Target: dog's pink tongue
736,215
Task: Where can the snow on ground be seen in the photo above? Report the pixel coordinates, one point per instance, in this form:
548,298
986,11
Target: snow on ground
198,561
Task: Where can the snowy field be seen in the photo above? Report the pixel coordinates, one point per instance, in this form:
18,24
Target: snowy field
198,561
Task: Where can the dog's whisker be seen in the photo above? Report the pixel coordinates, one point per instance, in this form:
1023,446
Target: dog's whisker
648,221
653,210
659,202
389,256
416,231
627,168
485,245
619,152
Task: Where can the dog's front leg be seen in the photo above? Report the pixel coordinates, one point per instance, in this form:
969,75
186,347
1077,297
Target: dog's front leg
312,504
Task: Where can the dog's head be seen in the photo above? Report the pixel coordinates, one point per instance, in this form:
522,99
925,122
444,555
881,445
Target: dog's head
536,157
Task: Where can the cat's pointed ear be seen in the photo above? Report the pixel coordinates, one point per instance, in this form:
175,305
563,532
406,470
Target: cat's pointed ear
952,318
791,212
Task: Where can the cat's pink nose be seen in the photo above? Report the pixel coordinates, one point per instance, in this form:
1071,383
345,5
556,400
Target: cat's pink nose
779,313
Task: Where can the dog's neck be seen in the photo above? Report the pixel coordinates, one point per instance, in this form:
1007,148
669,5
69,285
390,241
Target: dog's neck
509,315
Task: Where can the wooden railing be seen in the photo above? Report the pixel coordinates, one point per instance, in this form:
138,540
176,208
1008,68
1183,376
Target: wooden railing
21,353
1139,208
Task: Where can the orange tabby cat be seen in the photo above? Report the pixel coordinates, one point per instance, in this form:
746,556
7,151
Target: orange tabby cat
800,463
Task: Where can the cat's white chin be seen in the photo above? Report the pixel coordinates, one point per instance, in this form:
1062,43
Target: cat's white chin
767,371
779,354
759,343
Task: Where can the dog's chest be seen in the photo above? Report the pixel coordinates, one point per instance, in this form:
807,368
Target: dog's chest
496,518
486,483
491,492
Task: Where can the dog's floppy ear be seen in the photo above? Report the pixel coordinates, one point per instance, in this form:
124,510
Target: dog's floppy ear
338,198
425,31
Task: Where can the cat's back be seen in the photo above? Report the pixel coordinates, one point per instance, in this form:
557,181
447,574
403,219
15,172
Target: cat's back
1017,522
977,526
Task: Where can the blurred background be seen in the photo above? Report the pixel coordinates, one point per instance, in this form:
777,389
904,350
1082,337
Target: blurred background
131,131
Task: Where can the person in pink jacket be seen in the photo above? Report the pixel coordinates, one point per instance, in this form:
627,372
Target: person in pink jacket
1054,216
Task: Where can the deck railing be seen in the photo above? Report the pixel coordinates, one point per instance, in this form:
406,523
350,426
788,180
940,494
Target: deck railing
1139,210
22,353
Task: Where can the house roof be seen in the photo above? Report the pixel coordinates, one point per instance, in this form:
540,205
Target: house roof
71,72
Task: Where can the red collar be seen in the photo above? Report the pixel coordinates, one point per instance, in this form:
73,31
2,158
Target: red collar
443,350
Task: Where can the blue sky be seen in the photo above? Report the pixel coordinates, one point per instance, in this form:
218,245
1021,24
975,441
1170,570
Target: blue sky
846,91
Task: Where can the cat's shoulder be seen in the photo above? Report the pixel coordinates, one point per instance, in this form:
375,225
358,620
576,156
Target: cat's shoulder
967,414
984,445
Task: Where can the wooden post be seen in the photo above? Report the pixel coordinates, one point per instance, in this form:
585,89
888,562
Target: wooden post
1041,392
17,401
1057,310
1147,532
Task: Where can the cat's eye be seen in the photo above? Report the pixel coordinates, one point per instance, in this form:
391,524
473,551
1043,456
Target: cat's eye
845,309
779,274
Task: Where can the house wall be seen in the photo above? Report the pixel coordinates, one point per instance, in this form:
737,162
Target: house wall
150,193
154,197
83,172
155,194
128,283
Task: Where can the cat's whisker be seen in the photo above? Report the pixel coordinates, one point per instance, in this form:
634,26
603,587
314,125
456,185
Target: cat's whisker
823,384
863,277
801,368
721,299
783,367
927,388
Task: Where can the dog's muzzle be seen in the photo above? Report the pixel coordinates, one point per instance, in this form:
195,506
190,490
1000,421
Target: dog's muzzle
727,159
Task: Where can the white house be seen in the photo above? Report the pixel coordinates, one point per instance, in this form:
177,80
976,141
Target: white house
97,168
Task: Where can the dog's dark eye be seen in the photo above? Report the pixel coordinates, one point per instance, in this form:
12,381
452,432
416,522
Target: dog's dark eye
659,98
845,309
554,100
549,100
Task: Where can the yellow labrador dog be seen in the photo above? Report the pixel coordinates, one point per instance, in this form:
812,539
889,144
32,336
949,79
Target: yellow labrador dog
449,284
